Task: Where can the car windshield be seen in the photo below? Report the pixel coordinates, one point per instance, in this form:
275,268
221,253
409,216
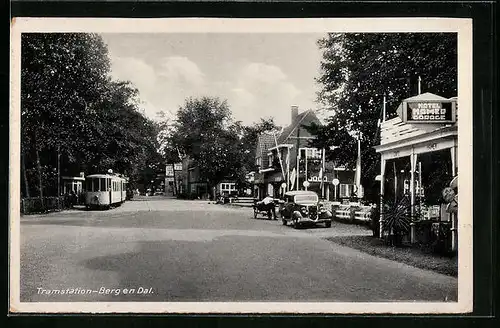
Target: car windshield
306,198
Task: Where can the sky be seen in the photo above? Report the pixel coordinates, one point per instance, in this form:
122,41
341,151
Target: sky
260,75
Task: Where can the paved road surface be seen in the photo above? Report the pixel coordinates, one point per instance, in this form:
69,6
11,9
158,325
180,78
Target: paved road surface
171,250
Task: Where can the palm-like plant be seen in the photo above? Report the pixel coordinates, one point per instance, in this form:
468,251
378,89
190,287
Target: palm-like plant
397,219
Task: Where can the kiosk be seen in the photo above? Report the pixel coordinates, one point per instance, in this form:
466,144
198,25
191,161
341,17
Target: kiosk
426,124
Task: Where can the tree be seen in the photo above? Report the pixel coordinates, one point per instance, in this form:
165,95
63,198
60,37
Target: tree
205,131
357,70
62,76
70,108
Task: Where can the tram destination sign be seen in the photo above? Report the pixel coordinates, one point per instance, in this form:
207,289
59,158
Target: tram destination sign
441,111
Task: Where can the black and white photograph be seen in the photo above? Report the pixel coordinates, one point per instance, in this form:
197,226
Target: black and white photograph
241,166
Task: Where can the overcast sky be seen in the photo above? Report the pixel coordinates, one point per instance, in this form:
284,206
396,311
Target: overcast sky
261,75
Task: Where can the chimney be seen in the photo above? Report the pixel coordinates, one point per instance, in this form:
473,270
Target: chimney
295,113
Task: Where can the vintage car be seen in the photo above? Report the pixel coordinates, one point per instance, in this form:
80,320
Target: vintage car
303,208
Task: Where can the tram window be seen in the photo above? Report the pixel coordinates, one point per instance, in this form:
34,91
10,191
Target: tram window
94,184
108,184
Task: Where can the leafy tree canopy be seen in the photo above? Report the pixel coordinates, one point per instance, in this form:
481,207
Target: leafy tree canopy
70,106
205,131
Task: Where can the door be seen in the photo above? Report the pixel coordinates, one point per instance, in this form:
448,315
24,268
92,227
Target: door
109,189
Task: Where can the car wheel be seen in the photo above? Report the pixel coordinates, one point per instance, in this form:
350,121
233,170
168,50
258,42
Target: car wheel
284,222
328,224
295,224
254,213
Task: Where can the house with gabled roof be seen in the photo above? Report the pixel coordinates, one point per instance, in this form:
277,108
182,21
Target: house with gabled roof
282,167
264,142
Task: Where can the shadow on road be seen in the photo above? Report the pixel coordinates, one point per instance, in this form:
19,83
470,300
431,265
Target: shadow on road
218,270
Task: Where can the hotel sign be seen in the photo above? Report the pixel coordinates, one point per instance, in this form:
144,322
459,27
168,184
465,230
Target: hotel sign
441,111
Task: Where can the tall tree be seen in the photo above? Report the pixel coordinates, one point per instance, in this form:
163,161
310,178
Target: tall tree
70,106
205,131
62,76
357,70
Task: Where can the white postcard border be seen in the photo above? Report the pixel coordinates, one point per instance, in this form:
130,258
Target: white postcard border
463,27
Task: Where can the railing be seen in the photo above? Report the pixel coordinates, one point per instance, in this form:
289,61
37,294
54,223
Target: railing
241,201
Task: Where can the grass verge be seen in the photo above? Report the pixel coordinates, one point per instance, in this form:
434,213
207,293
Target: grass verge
413,256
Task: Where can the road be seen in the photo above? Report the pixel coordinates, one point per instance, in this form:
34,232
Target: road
157,249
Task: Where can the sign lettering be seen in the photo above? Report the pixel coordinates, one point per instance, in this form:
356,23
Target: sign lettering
317,179
430,112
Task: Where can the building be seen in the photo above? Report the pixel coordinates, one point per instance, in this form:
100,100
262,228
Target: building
74,184
419,142
173,179
226,187
190,182
264,142
282,167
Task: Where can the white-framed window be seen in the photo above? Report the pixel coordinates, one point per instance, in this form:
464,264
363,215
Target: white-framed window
271,160
346,190
227,187
258,161
312,153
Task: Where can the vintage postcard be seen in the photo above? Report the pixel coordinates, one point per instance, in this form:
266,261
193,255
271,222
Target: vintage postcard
241,165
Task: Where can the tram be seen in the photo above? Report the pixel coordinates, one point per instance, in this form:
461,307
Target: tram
105,190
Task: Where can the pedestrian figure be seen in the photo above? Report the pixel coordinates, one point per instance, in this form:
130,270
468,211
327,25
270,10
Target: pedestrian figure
72,198
267,204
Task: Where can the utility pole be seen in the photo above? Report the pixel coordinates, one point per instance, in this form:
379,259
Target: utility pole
419,85
383,110
279,156
322,175
59,175
305,168
175,183
287,168
298,155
